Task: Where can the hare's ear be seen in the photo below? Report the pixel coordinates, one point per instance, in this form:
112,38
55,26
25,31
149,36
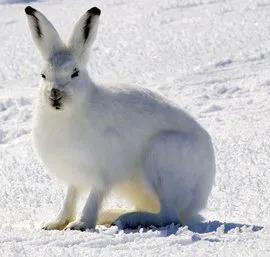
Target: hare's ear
84,34
44,34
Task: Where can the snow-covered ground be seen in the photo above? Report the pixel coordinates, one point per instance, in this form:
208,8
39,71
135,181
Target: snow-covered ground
212,57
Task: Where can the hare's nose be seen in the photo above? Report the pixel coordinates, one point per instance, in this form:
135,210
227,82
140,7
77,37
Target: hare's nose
55,94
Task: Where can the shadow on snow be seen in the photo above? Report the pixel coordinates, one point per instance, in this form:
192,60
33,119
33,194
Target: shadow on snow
212,226
201,228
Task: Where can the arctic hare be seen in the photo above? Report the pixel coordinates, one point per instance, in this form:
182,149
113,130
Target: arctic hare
103,139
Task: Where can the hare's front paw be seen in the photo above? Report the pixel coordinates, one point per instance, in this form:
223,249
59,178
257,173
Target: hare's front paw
57,225
79,225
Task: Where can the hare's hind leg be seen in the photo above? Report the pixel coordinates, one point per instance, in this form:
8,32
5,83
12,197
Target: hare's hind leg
180,168
173,164
161,169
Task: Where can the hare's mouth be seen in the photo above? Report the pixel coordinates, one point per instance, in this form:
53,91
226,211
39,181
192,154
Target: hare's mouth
56,103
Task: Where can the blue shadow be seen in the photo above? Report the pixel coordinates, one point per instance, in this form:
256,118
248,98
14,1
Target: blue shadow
200,228
212,226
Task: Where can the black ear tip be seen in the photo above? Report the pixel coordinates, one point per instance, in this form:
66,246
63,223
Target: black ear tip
94,11
29,10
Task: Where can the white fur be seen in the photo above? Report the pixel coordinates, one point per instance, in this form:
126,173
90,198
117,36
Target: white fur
132,141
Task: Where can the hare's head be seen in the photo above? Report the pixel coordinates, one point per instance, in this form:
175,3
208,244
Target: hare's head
64,73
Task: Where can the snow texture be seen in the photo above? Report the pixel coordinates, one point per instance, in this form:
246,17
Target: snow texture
210,56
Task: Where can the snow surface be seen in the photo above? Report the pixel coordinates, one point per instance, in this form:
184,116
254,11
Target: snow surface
210,56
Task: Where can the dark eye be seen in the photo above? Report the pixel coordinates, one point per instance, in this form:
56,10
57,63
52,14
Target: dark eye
43,76
75,74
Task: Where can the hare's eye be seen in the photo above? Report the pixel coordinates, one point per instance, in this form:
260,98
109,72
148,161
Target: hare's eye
43,76
75,74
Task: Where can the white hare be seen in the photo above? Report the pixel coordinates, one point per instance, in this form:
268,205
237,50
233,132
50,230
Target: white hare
103,139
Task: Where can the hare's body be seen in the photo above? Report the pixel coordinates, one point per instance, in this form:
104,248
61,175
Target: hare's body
128,140
116,135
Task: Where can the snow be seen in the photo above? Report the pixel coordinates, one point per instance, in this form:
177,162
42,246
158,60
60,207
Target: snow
211,57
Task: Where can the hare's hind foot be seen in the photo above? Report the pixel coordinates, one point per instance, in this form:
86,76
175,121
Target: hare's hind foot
133,220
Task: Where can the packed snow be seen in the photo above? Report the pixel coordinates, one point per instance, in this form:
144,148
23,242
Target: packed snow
209,56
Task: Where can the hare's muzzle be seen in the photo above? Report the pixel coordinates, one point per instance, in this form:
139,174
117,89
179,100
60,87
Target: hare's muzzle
55,97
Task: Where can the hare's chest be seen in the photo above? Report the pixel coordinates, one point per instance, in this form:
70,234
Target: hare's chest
66,147
81,151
